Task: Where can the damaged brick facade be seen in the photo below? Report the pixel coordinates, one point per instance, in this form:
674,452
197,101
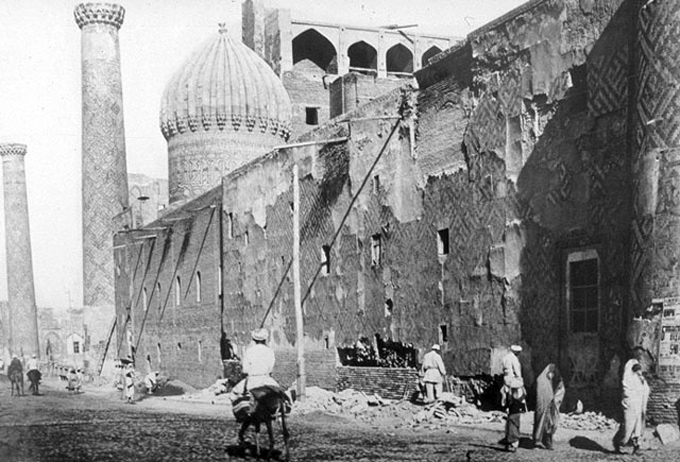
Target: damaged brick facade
513,166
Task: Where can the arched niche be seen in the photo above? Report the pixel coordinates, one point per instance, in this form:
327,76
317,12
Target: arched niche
399,59
315,47
433,50
362,57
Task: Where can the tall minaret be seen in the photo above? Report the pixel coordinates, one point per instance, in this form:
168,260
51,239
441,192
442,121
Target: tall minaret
23,315
104,169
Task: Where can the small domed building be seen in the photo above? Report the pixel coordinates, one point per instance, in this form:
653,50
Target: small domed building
222,108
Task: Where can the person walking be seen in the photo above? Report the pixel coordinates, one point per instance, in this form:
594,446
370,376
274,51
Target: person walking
433,371
130,384
33,374
634,403
513,397
514,401
549,395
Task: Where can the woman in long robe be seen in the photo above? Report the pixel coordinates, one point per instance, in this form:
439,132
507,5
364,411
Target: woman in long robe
635,396
549,395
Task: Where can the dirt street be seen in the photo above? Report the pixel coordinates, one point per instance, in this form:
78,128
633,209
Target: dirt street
98,426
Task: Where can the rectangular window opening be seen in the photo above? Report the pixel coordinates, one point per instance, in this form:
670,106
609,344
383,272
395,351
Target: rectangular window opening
376,184
443,333
583,292
326,259
376,250
443,241
312,115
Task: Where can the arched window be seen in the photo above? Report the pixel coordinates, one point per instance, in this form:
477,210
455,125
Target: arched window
198,287
430,53
178,292
399,59
318,49
145,299
362,57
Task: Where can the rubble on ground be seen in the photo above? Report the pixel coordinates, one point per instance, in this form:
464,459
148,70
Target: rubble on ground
372,408
450,409
587,421
218,388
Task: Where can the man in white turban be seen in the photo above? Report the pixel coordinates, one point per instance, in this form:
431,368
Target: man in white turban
258,364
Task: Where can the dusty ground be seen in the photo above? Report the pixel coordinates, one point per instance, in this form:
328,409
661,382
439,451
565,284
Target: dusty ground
98,426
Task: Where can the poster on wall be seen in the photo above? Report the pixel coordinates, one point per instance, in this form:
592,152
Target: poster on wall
669,344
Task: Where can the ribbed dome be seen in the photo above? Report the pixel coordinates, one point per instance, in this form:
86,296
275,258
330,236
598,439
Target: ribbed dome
225,86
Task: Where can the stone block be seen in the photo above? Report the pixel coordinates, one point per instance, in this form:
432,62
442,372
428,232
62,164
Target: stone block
667,433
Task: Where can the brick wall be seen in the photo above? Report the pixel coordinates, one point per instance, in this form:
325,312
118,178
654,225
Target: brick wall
352,90
306,88
664,402
319,368
390,383
182,339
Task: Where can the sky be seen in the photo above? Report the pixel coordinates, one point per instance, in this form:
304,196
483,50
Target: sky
40,97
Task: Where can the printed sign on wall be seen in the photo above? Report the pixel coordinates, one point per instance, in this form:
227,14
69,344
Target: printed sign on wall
669,343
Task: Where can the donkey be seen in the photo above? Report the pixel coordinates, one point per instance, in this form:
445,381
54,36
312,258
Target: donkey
16,379
263,405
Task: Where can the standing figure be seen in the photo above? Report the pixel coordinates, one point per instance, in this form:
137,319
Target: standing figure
549,395
433,373
513,396
79,380
258,364
513,399
634,402
71,380
33,374
512,369
130,384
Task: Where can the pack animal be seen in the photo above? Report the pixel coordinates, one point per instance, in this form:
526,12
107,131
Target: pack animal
263,405
16,379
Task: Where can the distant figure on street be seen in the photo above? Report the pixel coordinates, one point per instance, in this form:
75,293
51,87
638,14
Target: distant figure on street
151,382
512,369
33,374
635,396
129,384
79,380
71,379
433,371
513,396
258,364
549,395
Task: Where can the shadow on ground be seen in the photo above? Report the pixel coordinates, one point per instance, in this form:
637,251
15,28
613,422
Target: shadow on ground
581,442
249,450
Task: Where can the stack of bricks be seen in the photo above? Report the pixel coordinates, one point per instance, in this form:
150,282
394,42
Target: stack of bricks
390,383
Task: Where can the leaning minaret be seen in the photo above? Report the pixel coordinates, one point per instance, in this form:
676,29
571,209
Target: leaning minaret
23,315
104,170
